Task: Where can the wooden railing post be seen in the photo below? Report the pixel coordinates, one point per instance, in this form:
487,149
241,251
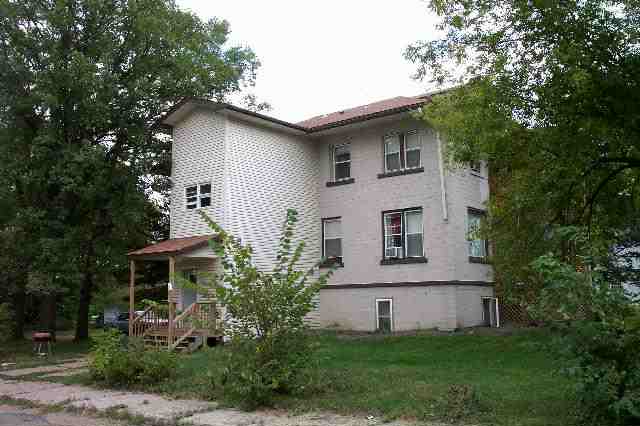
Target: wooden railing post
172,305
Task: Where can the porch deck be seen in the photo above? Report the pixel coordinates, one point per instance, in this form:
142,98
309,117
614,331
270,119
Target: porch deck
160,327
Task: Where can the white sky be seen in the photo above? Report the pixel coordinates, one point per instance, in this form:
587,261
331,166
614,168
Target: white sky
321,56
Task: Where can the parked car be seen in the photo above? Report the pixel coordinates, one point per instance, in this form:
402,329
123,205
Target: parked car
121,322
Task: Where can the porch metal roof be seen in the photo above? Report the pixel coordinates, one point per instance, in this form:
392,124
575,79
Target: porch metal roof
173,246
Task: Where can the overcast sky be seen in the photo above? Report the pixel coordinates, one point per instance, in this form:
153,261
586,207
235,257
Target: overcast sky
322,56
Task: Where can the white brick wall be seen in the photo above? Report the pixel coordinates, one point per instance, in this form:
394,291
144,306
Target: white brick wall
361,204
445,307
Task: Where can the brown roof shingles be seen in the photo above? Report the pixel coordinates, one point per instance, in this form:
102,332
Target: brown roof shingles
173,246
360,113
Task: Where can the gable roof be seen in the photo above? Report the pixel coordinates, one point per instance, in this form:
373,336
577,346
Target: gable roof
315,124
173,246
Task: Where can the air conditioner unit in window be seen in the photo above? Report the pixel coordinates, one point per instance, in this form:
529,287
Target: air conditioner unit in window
393,252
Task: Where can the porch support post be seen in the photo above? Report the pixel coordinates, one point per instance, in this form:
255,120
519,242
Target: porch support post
172,305
132,293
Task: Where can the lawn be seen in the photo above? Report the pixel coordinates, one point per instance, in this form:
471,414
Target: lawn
21,353
515,377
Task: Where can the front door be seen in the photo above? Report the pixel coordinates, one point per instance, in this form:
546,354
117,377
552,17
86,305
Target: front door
189,294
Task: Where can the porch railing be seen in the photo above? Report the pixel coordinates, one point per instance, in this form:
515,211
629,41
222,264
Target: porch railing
150,319
199,316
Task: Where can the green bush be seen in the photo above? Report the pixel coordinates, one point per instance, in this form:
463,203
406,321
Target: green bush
600,337
270,350
116,361
6,322
255,370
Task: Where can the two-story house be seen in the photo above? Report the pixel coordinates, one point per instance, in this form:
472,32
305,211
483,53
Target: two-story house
373,195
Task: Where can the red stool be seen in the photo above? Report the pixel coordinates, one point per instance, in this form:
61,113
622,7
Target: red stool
40,341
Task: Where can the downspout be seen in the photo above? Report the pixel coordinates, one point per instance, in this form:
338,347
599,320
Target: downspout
443,186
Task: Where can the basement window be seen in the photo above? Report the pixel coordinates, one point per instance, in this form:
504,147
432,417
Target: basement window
384,315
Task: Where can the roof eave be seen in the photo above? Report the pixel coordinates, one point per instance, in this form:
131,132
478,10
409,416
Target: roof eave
169,253
380,114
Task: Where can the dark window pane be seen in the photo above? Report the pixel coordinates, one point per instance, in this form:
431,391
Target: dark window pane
393,161
384,308
343,171
333,248
413,158
414,245
205,189
192,191
342,153
205,201
344,156
384,325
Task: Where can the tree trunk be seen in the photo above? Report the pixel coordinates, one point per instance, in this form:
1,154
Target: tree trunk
82,320
48,314
19,302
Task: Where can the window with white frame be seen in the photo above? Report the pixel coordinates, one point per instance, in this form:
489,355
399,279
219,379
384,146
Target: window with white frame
332,239
342,162
392,153
384,315
412,149
477,245
402,151
198,196
403,234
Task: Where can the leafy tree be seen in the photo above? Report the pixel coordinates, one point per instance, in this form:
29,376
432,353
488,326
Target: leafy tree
548,92
81,84
599,336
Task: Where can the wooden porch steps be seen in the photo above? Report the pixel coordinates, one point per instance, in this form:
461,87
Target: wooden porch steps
158,338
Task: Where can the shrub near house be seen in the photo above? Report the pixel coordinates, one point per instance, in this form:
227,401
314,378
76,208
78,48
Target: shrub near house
117,362
270,351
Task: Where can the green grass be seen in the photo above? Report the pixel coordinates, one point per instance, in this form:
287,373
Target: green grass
21,352
515,377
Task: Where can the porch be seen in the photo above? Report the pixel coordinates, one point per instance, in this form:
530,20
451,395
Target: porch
190,318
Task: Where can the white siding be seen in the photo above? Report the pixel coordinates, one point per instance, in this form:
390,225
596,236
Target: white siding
267,172
197,157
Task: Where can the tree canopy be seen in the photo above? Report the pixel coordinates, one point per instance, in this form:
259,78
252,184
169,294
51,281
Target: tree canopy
81,84
548,92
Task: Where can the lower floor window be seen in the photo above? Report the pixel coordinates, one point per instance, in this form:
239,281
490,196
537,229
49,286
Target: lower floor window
403,234
384,315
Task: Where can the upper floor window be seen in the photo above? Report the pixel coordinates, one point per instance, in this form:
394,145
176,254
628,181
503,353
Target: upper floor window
475,167
332,239
342,162
477,245
198,196
402,151
403,234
